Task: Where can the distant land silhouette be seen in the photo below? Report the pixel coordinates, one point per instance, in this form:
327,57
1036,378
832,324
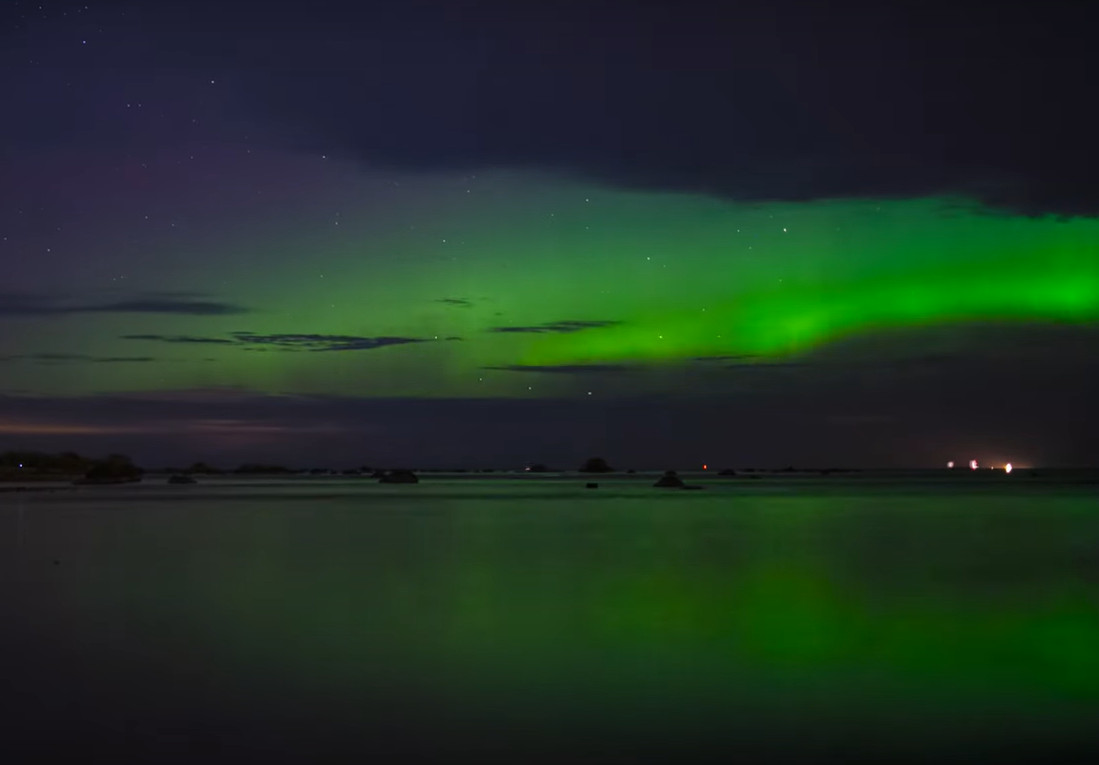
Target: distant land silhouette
19,466
31,466
116,468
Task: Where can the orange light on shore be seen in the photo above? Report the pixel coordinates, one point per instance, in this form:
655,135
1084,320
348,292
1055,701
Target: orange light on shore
973,464
950,464
705,467
1007,468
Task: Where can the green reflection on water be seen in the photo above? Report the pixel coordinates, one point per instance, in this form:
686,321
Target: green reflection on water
849,604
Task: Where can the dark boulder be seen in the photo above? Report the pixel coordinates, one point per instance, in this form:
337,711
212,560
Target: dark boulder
399,476
596,465
669,481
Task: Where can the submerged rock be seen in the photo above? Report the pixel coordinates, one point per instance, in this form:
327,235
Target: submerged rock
596,465
114,469
669,481
399,476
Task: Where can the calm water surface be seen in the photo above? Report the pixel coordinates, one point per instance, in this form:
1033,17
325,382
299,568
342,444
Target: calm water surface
536,621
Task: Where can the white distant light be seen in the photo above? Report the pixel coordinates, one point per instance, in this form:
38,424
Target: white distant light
950,464
1007,468
973,464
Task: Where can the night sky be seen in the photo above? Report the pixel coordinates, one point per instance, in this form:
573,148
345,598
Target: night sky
487,233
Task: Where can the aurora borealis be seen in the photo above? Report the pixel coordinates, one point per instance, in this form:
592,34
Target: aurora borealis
356,355
201,213
651,280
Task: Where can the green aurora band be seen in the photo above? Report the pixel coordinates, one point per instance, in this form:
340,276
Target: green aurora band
686,276
669,278
971,268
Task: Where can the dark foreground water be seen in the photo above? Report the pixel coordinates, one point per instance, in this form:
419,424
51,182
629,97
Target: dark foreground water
524,621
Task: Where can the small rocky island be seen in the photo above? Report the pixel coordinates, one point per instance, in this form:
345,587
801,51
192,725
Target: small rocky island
116,469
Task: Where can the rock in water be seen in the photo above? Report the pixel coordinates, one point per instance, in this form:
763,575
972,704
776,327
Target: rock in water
399,476
669,481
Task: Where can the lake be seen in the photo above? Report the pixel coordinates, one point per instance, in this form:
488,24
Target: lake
532,620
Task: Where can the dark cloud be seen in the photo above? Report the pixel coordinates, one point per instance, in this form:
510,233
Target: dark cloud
185,339
968,343
251,341
568,325
737,357
47,357
567,369
186,307
756,100
54,358
945,347
12,304
313,342
26,304
862,419
123,359
765,365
